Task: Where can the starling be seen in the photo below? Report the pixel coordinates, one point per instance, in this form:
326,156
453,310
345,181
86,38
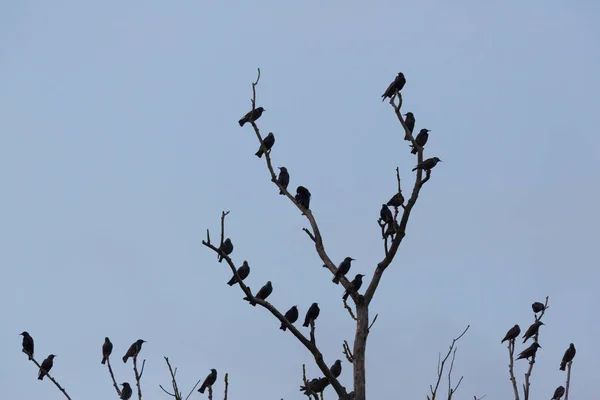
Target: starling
262,294
392,229
251,117
27,344
354,285
427,164
537,307
242,271
512,333
134,350
395,86
267,143
126,392
46,366
311,314
303,197
530,351
283,179
421,139
209,381
410,124
558,393
336,368
315,386
106,349
342,269
291,316
532,330
226,247
386,214
396,201
568,357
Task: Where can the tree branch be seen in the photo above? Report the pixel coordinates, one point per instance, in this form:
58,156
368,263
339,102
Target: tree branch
526,385
112,376
52,379
176,392
138,376
568,379
226,385
441,369
347,307
511,371
347,352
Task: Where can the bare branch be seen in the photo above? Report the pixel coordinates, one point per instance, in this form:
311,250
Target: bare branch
194,388
138,375
511,372
176,392
52,379
347,307
526,385
347,352
372,323
112,376
226,385
311,236
569,364
441,366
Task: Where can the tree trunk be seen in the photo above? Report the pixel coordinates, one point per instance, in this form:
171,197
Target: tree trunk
360,347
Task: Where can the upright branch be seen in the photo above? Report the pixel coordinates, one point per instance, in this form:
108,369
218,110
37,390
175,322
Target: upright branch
526,385
441,366
138,375
569,364
226,386
176,393
511,371
47,375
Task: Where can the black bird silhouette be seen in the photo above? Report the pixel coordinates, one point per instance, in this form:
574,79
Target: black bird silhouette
126,392
262,294
410,124
421,139
532,330
342,269
315,386
209,381
530,351
385,214
134,349
354,286
291,315
46,366
283,179
395,86
336,368
428,164
267,144
251,116
311,314
558,393
106,349
512,333
242,271
303,197
226,247
396,201
538,307
27,344
568,357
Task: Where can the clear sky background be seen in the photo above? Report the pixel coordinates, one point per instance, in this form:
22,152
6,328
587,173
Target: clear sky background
119,147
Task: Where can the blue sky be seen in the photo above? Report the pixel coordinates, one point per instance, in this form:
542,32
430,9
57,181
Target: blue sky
120,147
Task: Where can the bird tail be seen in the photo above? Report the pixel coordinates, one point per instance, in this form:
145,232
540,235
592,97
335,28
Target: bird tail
305,323
202,389
281,191
414,150
259,153
220,258
232,281
104,360
415,168
41,376
252,303
562,366
336,280
283,327
241,122
345,296
125,358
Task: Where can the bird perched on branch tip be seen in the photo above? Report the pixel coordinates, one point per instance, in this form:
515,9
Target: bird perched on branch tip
107,348
134,350
27,344
315,386
243,273
568,357
538,307
251,116
311,314
291,316
396,201
512,333
267,144
209,381
395,86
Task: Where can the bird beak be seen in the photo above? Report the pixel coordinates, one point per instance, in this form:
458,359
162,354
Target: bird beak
440,160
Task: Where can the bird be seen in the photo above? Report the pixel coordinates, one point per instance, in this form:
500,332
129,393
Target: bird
530,351
262,294
395,86
311,314
421,139
336,368
134,350
537,307
396,201
291,316
558,393
251,116
126,392
354,286
568,357
46,366
243,273
410,124
226,247
391,229
209,381
283,179
106,349
27,344
386,214
315,386
427,164
532,330
512,333
303,197
267,144
342,269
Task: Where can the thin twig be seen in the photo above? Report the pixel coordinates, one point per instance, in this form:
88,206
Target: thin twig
511,371
176,392
47,375
311,236
347,307
138,376
568,379
348,352
112,376
194,388
373,322
223,215
226,385
451,391
443,362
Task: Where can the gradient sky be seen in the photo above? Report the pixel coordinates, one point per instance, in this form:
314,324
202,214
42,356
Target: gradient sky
120,147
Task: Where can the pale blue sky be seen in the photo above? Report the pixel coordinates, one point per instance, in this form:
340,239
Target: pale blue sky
120,146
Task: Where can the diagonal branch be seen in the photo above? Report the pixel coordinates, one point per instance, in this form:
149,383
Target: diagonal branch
112,376
138,375
52,379
441,368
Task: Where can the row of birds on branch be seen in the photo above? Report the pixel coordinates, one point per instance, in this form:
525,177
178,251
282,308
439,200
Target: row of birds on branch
317,385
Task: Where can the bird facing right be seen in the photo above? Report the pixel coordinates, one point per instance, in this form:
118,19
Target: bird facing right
568,357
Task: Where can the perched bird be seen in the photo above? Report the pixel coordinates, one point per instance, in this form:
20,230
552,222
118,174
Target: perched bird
342,269
568,357
209,381
396,201
106,349
421,139
267,144
46,366
354,285
126,392
532,330
538,307
134,350
410,124
311,314
262,294
558,393
303,197
242,271
385,214
530,351
392,229
315,386
283,179
291,315
251,116
27,344
226,247
395,86
336,368
512,333
427,164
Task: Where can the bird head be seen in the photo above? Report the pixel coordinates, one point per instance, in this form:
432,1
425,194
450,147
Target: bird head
571,345
409,114
106,339
125,384
437,159
140,341
359,276
283,169
213,371
536,344
51,356
338,361
260,109
24,333
540,323
268,283
425,130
